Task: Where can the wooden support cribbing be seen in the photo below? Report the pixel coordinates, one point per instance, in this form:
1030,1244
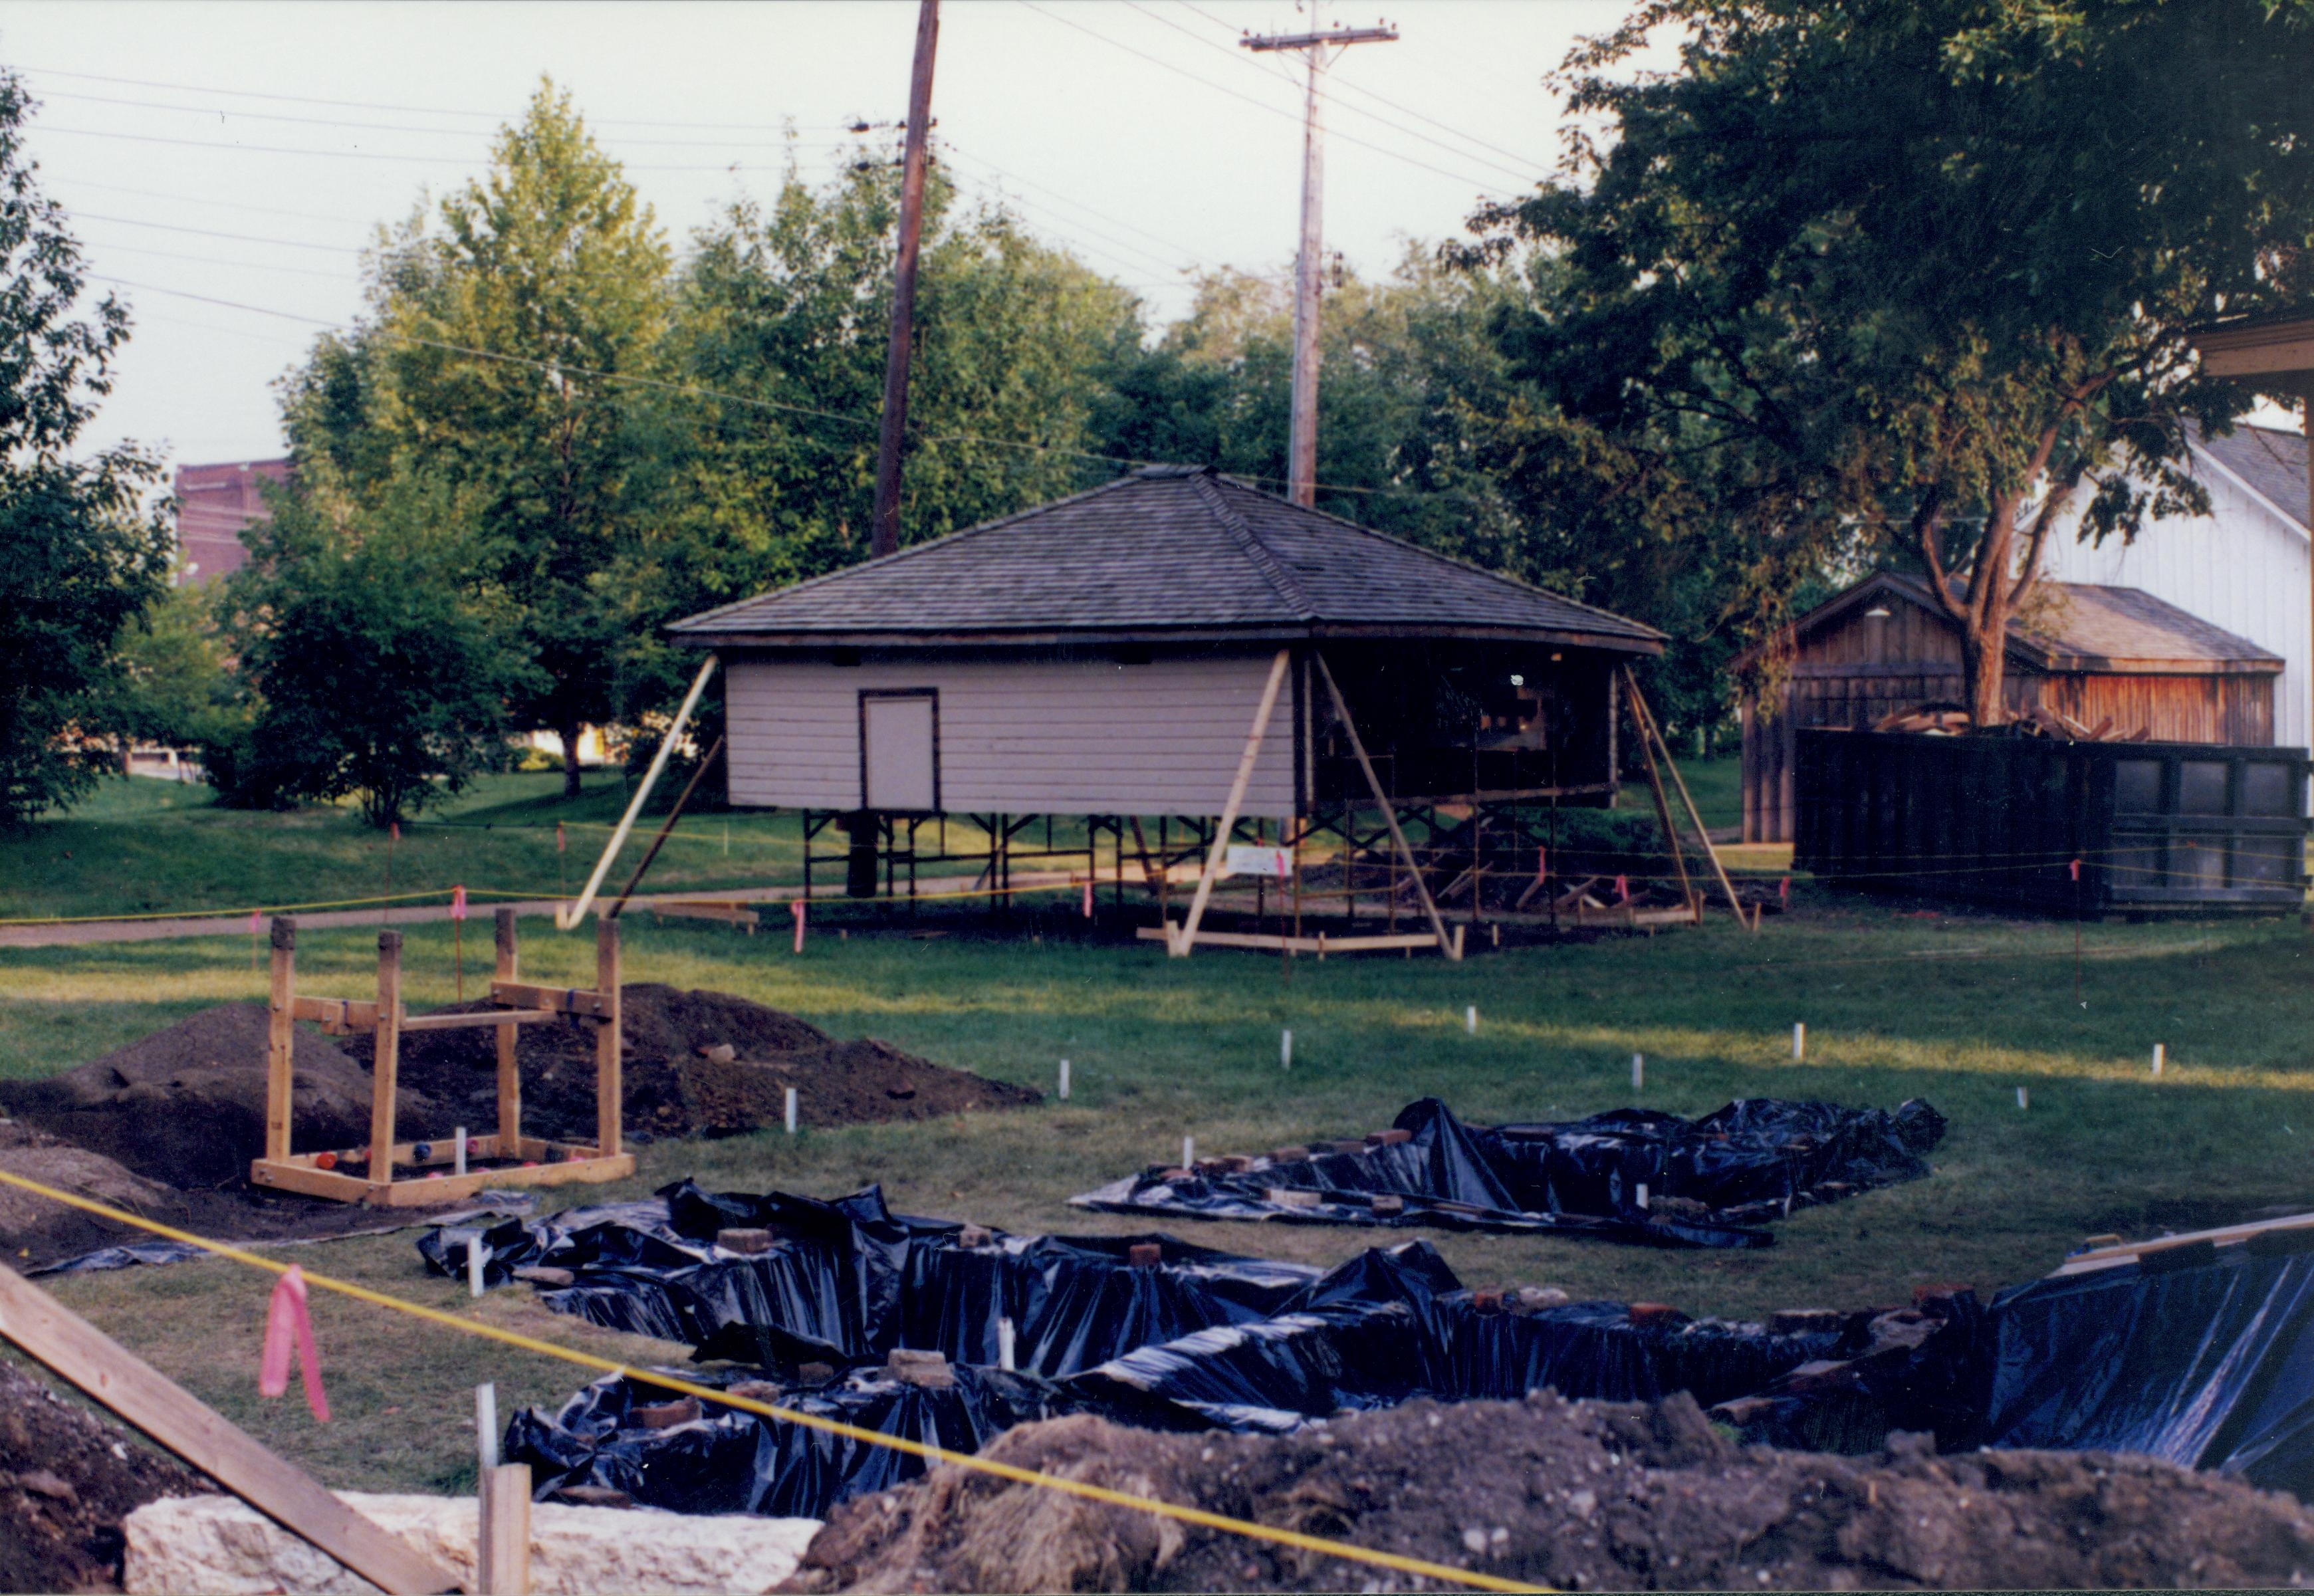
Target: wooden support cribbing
282,1038
607,1085
280,1490
1452,950
502,1561
388,1065
1178,945
509,1076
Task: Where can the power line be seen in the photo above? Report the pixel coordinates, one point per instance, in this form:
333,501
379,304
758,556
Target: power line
205,202
291,243
955,149
260,149
1484,188
1259,66
131,249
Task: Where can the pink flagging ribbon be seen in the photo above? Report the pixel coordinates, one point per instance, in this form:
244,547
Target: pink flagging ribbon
457,902
286,1317
1622,889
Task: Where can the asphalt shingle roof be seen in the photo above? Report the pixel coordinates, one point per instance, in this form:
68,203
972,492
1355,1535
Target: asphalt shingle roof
1169,550
2272,462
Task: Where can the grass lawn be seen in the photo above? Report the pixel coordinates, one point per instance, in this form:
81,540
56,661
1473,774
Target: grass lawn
1960,1009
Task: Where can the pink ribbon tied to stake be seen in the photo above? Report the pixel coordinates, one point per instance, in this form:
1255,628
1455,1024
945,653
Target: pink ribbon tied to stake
286,1317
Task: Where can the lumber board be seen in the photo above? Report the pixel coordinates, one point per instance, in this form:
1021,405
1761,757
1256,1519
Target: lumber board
281,1039
453,1022
1309,943
339,1017
563,1000
113,1375
505,953
502,1560
426,1192
2128,1252
729,914
610,1090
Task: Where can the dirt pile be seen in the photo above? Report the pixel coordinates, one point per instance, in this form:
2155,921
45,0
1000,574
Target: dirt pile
68,1480
672,1085
1578,1495
186,1105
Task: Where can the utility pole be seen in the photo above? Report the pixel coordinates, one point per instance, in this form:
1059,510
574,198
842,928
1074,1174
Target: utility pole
891,447
1318,51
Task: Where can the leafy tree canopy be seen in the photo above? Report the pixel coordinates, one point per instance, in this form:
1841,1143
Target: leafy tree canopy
82,549
1861,275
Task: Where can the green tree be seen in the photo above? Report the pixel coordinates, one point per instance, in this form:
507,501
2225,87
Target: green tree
83,547
1917,275
174,687
374,660
501,352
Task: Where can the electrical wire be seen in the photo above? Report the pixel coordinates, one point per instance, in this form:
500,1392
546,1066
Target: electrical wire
289,243
268,149
99,246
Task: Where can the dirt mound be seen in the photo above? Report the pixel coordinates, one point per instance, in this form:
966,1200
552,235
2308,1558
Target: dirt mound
33,1229
187,1105
670,1088
67,1479
1578,1495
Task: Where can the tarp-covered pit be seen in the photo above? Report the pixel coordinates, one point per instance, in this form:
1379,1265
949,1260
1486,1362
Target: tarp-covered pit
1632,1174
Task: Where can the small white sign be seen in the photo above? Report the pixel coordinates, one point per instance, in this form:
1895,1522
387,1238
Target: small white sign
1247,859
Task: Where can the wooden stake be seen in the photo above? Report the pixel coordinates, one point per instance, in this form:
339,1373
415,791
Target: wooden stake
502,1560
280,1490
1452,948
609,1086
388,1066
1179,943
509,1075
281,1039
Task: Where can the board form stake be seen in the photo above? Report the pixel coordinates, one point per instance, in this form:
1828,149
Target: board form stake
1470,1019
474,1265
486,1426
2157,1058
1643,1196
1639,1072
1285,1050
1799,1043
796,908
1004,1344
1065,1080
791,1111
2022,1102
1189,1152
460,1153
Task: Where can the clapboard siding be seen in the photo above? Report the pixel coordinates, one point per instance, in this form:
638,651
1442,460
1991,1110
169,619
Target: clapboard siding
1020,735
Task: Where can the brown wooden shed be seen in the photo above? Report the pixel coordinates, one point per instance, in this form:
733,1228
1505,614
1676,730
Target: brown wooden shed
2111,657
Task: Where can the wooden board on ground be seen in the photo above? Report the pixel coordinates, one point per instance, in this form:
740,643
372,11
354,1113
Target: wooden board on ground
113,1375
2129,1252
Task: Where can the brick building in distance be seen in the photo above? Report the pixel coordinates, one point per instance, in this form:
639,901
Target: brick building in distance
214,505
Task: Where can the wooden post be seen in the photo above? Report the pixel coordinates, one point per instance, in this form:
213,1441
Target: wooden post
1177,944
1702,835
502,1566
388,1066
608,1104
509,1074
1663,805
84,1356
281,1039
1451,948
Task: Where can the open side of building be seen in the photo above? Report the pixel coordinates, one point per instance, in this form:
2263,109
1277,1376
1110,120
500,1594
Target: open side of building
1175,645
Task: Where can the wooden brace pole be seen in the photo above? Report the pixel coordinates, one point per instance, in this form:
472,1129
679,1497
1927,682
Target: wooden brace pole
1703,835
1178,943
386,1066
1663,805
609,1089
278,1488
509,968
281,1039
665,830
1451,947
569,916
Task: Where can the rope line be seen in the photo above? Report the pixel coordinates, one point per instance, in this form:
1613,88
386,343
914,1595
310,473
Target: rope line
705,1394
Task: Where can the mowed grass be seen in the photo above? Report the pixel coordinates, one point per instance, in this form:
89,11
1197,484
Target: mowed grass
1960,1009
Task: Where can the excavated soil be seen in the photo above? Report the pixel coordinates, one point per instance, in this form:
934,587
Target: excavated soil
1578,1495
68,1480
186,1105
671,1089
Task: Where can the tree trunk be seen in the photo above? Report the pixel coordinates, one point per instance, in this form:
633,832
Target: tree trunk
569,731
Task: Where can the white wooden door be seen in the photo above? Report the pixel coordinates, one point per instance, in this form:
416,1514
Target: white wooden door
900,751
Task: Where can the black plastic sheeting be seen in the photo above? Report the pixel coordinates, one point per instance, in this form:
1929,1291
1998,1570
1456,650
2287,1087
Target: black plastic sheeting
1197,1339
1712,1182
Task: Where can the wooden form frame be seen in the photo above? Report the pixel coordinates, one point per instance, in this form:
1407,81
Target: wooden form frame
547,1163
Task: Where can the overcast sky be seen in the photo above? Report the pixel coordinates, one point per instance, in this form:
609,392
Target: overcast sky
243,153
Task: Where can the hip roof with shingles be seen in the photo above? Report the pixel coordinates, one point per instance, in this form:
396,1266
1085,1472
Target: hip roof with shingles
1167,552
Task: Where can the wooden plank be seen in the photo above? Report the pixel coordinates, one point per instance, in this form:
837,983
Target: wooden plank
107,1372
502,1560
501,1017
295,1176
1271,941
281,1039
339,1017
426,1192
609,1101
505,950
1702,832
564,1000
2129,1252
1656,787
386,1068
1389,812
1180,947
730,913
